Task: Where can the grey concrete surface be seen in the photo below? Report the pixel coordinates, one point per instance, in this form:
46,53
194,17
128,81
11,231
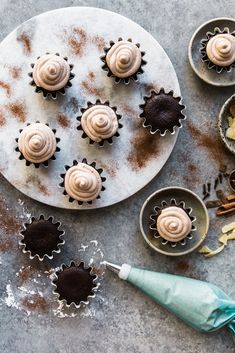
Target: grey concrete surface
125,320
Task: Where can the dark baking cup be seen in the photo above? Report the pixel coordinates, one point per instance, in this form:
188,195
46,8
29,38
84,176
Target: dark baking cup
28,163
157,211
45,246
75,281
84,135
125,80
205,58
173,126
93,164
51,94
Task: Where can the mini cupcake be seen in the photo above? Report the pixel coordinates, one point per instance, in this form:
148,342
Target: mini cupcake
51,75
75,284
99,122
41,238
37,144
82,182
123,60
218,50
162,112
172,223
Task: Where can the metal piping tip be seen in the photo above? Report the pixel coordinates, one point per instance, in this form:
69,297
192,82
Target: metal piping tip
112,267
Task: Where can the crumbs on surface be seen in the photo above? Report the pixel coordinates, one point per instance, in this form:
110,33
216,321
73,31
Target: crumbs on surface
63,120
18,110
25,39
34,179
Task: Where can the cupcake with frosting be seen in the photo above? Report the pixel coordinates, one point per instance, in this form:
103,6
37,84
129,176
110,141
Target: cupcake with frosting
172,223
218,50
51,75
123,60
82,182
99,122
37,144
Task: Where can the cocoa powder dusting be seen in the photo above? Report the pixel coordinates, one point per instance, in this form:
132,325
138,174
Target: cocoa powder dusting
25,39
8,223
73,103
35,302
6,87
77,40
99,42
24,274
89,87
15,72
18,110
183,267
2,119
34,179
110,168
63,120
6,245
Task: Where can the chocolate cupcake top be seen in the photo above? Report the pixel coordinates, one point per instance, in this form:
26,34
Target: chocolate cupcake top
162,112
220,49
82,182
75,284
124,59
99,122
173,224
51,72
42,237
37,143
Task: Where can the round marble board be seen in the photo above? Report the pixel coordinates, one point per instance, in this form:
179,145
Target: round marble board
80,33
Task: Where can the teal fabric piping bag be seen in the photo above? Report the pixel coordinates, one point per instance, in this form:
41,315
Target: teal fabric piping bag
201,305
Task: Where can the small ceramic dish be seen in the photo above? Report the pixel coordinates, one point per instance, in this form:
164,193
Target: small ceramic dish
200,68
179,194
223,124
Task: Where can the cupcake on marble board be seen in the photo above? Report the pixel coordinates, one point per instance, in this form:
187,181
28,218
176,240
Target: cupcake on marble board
99,122
37,144
42,238
51,75
75,284
218,50
172,223
123,60
162,112
82,182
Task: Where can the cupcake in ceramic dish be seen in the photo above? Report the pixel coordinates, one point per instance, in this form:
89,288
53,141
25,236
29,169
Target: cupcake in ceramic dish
99,122
37,144
162,112
51,75
82,182
218,50
123,60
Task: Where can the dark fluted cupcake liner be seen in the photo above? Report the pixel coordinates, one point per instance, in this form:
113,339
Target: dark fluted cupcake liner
75,162
94,279
118,79
89,105
205,58
32,253
173,127
51,94
157,211
28,163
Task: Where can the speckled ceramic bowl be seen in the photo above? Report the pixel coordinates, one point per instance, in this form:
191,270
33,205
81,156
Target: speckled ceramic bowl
179,194
223,123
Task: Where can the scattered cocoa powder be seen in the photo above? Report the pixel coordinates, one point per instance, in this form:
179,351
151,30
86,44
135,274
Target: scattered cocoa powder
25,39
2,119
35,302
24,275
6,245
99,42
182,266
89,88
8,223
18,110
34,179
110,168
91,75
6,87
63,120
77,40
73,102
15,72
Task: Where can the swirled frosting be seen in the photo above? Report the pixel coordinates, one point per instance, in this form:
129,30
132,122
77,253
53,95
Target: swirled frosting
99,122
51,72
221,49
173,224
37,143
123,59
82,182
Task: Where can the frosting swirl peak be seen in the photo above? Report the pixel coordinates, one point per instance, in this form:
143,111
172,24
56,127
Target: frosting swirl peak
173,224
99,122
220,49
123,59
51,72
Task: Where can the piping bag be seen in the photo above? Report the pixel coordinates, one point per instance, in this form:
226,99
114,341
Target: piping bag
201,305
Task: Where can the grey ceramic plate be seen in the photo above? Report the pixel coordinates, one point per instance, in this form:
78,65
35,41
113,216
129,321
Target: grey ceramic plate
200,68
198,210
223,123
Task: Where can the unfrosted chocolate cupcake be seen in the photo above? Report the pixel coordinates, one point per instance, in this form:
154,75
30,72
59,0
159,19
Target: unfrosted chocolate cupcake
37,144
41,238
51,75
99,122
123,60
162,112
75,284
